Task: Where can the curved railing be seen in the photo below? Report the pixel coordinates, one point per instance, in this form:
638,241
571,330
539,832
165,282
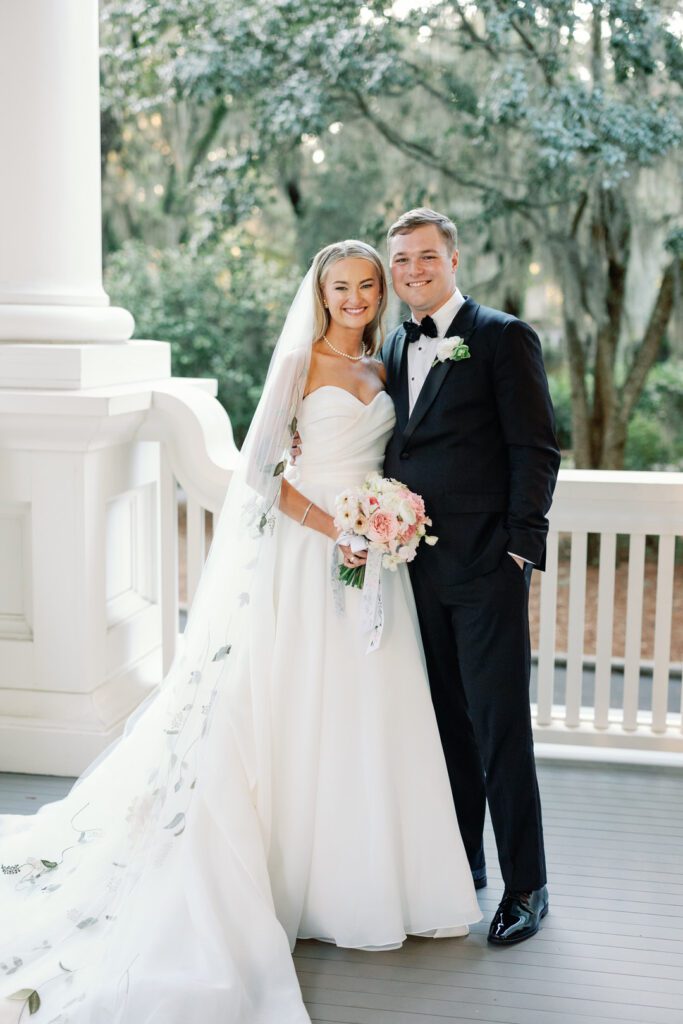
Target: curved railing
198,455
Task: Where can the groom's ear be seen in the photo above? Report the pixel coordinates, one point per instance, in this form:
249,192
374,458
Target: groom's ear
454,259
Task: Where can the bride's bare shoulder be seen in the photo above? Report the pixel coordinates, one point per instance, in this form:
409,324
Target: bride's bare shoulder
380,369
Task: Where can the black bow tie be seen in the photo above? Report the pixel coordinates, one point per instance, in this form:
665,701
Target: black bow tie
426,327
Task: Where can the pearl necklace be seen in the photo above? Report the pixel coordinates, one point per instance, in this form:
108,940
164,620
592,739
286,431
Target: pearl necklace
354,359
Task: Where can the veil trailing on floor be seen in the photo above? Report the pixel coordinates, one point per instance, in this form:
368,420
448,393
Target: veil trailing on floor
143,896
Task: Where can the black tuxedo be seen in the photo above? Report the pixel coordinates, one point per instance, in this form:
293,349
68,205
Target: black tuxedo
480,448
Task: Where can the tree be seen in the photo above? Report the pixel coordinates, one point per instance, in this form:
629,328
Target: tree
541,120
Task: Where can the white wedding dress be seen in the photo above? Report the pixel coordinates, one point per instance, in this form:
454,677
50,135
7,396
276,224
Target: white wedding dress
320,806
365,846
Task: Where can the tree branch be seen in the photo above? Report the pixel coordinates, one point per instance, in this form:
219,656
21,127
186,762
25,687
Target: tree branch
578,214
528,45
645,356
216,117
422,153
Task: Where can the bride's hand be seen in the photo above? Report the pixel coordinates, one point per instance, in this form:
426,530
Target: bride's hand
352,561
295,448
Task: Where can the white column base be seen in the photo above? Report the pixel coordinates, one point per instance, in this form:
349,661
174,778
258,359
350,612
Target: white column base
80,551
49,733
51,323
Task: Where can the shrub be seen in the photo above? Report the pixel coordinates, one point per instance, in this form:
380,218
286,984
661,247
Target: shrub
221,310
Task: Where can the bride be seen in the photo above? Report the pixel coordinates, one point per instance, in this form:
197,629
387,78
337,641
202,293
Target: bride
281,782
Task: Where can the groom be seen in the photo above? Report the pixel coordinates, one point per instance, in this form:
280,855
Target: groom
474,436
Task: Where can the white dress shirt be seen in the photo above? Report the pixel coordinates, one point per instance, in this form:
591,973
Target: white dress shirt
421,353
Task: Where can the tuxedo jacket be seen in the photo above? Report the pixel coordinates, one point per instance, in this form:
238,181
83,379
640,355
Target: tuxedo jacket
480,445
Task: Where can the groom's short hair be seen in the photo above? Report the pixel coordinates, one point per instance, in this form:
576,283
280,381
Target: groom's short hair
407,222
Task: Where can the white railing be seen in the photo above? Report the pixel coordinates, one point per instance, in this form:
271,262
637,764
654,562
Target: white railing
630,514
635,509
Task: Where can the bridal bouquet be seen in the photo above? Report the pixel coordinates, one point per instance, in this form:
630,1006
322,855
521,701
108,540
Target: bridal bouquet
384,517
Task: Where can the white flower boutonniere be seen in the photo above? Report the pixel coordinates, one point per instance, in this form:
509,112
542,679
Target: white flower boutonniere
451,348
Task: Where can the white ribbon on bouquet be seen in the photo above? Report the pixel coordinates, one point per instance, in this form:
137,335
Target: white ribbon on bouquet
372,605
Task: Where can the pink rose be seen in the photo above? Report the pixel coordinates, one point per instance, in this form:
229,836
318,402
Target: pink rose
408,532
382,527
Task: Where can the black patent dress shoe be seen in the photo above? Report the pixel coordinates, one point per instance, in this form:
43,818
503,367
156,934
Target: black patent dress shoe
518,917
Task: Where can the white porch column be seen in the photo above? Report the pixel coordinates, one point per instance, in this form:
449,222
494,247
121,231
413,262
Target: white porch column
50,237
80,511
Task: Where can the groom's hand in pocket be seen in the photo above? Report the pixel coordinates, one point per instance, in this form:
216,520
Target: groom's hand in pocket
295,447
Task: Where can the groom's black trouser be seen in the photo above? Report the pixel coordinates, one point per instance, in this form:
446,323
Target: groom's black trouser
476,639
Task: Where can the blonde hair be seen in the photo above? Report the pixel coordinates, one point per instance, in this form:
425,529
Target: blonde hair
407,222
373,333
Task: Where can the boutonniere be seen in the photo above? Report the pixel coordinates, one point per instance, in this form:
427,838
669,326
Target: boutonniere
451,348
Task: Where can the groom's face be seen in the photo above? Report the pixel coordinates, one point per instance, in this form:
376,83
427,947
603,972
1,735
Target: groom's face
422,269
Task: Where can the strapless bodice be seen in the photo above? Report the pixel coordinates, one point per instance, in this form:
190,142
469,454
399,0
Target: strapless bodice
342,438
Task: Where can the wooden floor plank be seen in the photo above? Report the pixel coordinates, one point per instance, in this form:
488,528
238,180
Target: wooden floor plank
610,950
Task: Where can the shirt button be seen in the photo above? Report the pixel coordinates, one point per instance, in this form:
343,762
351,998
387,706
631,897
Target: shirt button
405,455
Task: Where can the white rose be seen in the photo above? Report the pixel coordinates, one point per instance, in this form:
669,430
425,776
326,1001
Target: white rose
444,348
407,553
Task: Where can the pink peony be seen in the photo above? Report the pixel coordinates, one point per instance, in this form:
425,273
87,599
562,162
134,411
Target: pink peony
382,527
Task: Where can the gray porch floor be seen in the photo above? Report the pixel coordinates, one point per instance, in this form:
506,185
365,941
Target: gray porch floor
611,948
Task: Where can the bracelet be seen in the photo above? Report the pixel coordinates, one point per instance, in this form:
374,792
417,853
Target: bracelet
308,509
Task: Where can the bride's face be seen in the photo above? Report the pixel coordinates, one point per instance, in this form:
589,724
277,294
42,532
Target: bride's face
351,291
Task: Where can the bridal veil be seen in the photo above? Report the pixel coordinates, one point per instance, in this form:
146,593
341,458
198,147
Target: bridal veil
143,896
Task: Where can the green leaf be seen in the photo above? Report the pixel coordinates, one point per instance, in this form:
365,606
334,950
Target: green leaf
22,993
222,652
49,864
263,522
87,922
178,820
279,469
33,1002
292,426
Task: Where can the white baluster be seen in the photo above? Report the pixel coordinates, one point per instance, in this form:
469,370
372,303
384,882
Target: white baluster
546,640
196,546
576,627
662,647
634,625
605,624
169,560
